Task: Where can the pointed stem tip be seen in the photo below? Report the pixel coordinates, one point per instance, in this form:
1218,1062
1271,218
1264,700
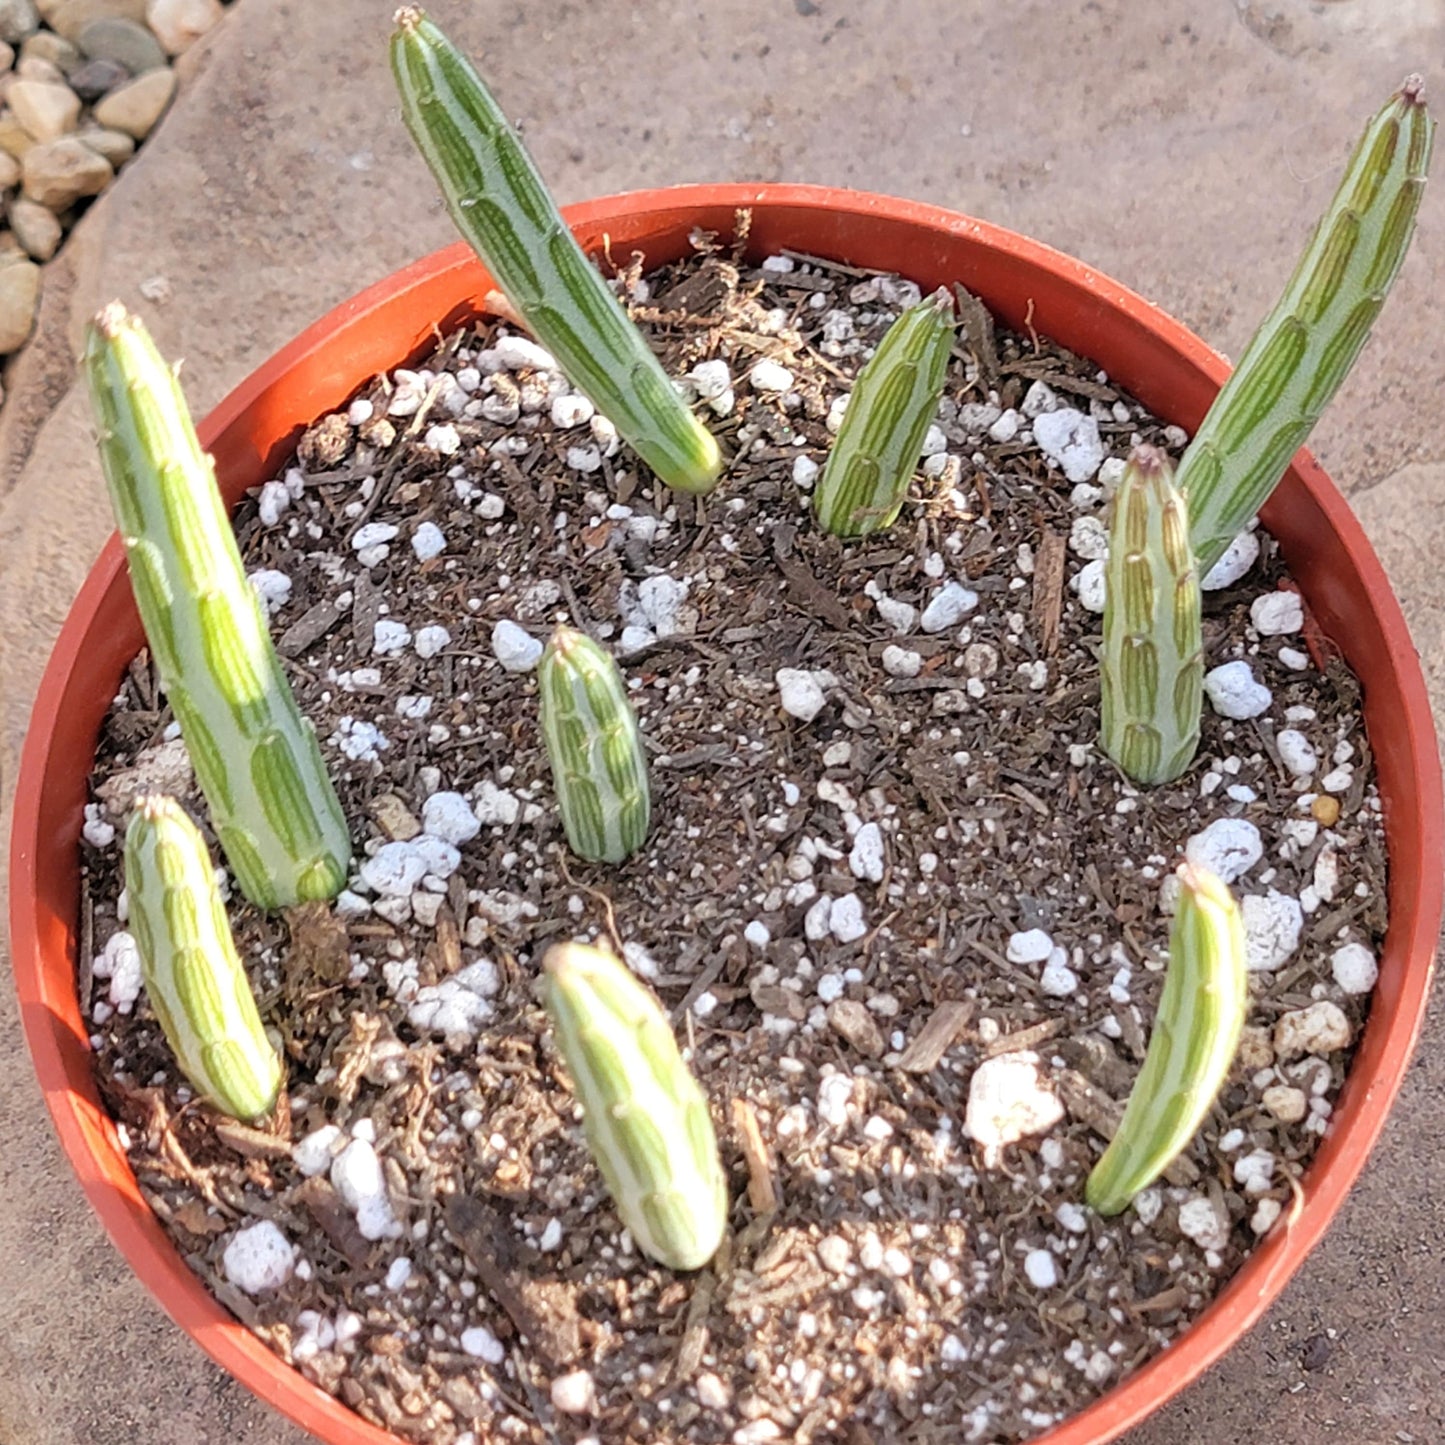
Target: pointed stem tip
1148,459
1412,89
111,320
408,17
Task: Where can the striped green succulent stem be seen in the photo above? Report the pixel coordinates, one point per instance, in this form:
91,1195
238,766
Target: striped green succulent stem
646,1120
256,758
1302,352
895,398
500,205
1196,1032
598,766
1152,666
194,980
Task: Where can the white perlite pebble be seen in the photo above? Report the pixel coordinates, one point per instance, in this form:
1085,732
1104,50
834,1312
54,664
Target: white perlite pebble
1008,1099
1320,1029
805,472
1200,1221
514,647
496,807
428,541
389,637
1277,613
901,661
1354,968
571,410
712,1393
1254,1171
770,376
1234,692
449,816
272,587
835,1093
948,607
313,1153
574,1394
846,922
1237,559
458,1006
866,859
357,1177
1031,946
373,534
1296,752
1091,586
1058,980
481,1344
96,830
395,870
660,602
1229,847
1071,439
1039,1266
120,963
431,640
902,617
1089,539
800,693
258,1258
1272,926
516,353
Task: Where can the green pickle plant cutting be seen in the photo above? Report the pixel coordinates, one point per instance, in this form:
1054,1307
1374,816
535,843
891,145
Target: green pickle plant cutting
277,817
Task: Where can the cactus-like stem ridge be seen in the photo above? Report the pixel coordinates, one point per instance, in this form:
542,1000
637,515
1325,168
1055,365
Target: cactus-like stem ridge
1151,670
895,398
1305,347
256,758
501,206
592,740
646,1120
193,976
1196,1032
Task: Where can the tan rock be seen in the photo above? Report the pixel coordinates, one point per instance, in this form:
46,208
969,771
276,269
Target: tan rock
19,296
9,171
72,16
14,138
37,67
37,229
61,172
178,24
136,107
7,55
47,45
115,145
46,110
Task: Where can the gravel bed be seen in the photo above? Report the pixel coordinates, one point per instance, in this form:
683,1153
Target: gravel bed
909,922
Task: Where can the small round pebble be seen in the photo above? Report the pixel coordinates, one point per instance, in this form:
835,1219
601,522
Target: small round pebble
1237,559
1320,1029
1296,752
449,816
800,693
514,647
428,541
573,1393
481,1344
259,1258
948,607
1031,946
1277,613
1354,968
1234,691
1229,847
1041,1269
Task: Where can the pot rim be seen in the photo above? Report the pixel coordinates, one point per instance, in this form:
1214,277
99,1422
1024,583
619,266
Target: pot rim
255,427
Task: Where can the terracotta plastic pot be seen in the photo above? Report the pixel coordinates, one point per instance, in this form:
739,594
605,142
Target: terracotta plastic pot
1166,367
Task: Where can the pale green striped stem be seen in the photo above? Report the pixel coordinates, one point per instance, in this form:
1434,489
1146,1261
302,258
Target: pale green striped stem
500,205
894,399
194,980
598,766
646,1120
1196,1032
256,758
1151,670
1302,352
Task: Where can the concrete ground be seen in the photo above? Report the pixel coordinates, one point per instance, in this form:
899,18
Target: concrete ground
1184,148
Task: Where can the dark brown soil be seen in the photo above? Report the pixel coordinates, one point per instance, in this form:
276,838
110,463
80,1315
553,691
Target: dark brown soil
881,1279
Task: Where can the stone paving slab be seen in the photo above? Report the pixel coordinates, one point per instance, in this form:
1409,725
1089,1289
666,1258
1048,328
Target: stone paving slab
1184,149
